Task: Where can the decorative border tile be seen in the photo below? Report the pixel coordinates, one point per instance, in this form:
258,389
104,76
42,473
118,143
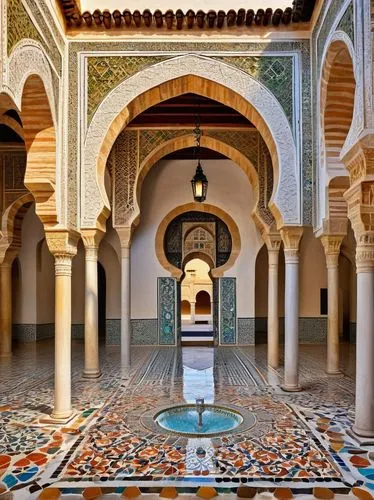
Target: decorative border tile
24,332
45,331
144,331
246,331
312,330
113,332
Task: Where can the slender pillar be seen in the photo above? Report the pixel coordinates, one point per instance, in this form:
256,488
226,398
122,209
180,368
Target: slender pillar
364,420
62,407
63,245
332,245
273,245
124,234
193,312
91,315
6,309
291,238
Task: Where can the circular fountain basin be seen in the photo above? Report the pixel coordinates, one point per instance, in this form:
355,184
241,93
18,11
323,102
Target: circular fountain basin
184,420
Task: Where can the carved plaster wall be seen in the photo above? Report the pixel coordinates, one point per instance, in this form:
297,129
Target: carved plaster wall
133,147
287,195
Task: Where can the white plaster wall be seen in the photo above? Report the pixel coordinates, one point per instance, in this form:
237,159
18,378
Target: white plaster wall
313,274
45,271
168,186
77,286
25,300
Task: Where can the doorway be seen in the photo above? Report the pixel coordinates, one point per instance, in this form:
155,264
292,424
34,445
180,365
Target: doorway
196,304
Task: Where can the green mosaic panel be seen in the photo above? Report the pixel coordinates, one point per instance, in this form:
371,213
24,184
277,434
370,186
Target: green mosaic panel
167,311
227,306
347,23
19,25
105,73
275,72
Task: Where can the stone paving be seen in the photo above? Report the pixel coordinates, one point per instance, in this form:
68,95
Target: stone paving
298,446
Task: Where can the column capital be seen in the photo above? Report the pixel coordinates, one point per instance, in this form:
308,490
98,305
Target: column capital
63,246
125,236
291,236
331,244
272,241
359,160
91,239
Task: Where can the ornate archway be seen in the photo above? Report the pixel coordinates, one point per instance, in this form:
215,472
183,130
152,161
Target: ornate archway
206,77
176,272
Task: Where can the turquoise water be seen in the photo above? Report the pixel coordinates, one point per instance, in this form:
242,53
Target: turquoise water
185,420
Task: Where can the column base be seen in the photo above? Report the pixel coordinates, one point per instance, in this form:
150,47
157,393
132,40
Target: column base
335,373
91,374
364,438
6,355
275,366
292,388
57,419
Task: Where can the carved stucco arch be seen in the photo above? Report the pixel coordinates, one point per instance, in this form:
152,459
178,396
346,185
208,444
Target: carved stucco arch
203,76
217,272
340,46
26,59
186,141
31,85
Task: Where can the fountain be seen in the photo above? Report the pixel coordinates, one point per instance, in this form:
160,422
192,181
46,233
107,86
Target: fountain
200,419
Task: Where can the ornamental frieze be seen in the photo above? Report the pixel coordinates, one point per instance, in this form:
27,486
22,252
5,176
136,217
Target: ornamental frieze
105,73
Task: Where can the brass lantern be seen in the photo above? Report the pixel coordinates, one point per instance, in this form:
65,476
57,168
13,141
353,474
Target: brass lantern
199,181
199,184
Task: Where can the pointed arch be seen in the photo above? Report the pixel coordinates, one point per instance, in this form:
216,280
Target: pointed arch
203,76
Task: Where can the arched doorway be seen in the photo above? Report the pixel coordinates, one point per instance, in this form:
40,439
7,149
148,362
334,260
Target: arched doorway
203,305
197,326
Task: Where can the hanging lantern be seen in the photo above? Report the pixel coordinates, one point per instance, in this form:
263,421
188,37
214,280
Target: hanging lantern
199,184
199,181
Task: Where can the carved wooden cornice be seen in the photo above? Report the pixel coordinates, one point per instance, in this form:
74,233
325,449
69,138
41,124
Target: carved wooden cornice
301,11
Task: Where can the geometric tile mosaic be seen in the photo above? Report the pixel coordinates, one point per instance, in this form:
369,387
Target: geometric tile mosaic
299,440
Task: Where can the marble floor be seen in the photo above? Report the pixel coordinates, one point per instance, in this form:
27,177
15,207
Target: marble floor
298,446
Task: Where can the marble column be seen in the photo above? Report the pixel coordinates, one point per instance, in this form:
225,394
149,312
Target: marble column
273,246
91,239
63,245
124,234
193,312
291,237
331,244
364,419
6,309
